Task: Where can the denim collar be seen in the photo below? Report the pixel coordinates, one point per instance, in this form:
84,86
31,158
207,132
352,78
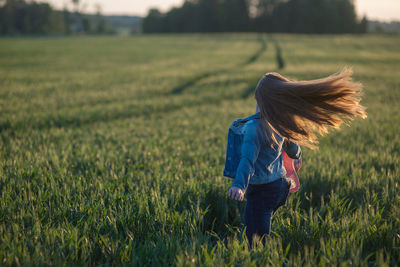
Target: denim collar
257,115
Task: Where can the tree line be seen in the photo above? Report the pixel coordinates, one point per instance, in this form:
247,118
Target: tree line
22,17
291,16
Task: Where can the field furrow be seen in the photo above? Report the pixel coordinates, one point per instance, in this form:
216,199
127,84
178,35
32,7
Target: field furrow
112,152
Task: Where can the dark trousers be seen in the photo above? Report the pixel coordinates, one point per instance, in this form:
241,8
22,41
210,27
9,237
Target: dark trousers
263,200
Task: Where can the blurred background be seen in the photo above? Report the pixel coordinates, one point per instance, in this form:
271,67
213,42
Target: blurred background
66,17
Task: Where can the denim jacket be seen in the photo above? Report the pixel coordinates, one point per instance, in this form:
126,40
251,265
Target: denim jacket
259,163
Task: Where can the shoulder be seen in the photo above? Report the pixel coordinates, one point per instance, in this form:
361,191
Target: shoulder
253,128
253,124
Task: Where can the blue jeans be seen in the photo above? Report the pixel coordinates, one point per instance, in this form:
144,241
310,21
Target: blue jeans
263,200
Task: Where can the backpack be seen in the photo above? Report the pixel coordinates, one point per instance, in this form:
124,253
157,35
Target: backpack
234,145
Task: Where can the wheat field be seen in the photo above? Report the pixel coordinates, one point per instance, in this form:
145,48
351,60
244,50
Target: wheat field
112,151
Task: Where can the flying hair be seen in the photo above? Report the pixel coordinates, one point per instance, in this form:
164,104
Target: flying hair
301,110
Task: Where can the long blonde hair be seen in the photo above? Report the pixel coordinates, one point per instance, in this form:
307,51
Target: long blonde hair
299,110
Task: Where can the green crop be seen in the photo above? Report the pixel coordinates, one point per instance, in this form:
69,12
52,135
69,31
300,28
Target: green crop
112,152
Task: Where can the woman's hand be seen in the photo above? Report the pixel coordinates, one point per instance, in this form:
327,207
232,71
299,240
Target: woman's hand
236,193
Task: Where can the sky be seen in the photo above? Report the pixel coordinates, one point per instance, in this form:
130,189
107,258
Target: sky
384,10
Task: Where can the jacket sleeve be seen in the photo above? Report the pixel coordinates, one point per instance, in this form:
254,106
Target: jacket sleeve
292,149
249,153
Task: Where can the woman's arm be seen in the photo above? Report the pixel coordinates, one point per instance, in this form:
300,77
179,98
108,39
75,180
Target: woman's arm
249,154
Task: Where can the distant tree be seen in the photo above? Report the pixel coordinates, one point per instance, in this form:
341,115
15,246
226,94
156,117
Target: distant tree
154,22
19,17
183,19
190,17
66,16
264,13
86,28
101,26
100,22
200,16
297,16
363,27
57,24
174,20
348,18
207,16
234,15
310,16
38,18
30,17
10,11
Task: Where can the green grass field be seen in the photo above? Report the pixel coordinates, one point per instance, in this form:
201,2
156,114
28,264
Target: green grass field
112,151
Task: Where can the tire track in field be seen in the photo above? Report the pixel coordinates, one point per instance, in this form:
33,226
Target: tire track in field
280,62
78,119
8,128
65,121
180,88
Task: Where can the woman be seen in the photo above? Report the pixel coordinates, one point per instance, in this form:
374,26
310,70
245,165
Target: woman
288,114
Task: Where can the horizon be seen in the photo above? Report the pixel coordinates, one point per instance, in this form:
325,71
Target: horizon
383,10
